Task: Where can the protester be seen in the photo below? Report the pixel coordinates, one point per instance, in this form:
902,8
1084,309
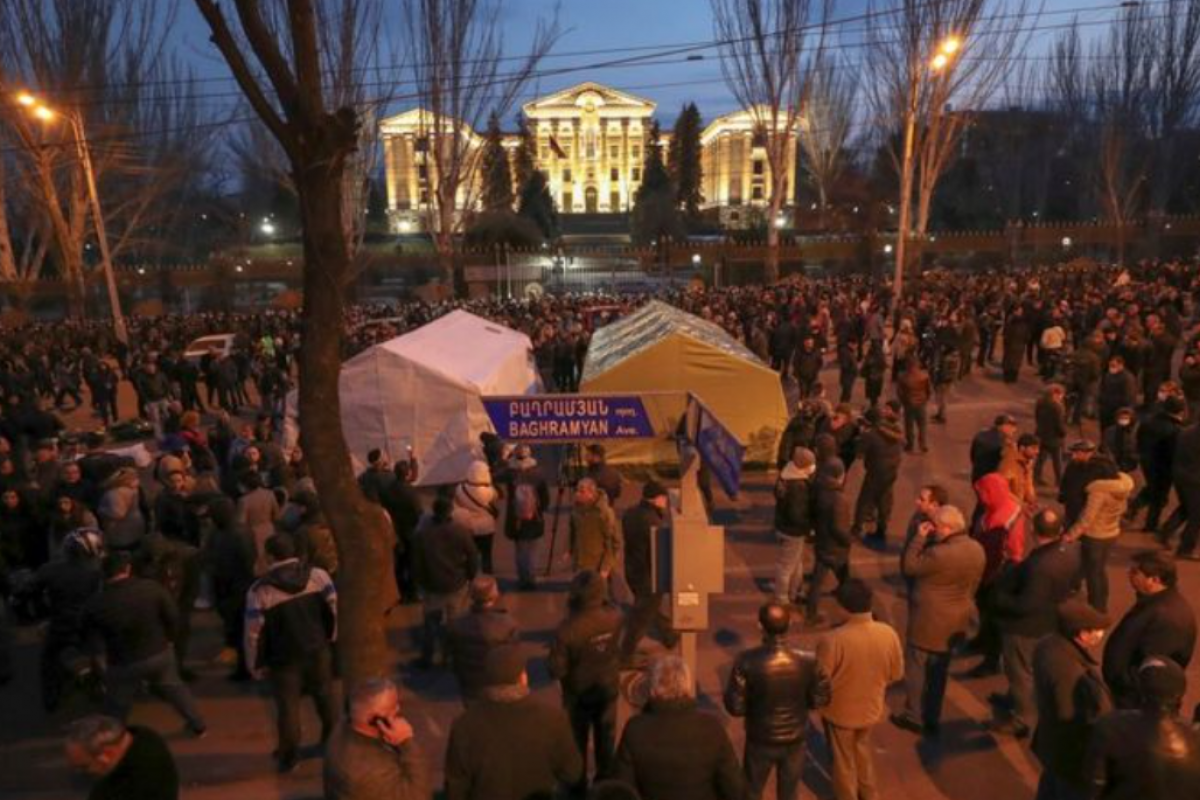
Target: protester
445,561
880,449
125,762
476,508
1099,526
638,526
774,686
475,634
372,755
793,522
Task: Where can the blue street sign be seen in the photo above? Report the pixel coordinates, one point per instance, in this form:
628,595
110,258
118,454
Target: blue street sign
719,448
569,417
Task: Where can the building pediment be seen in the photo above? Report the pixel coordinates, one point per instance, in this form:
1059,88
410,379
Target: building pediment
422,122
589,97
745,121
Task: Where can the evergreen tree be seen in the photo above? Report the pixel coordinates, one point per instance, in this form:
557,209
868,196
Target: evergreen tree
537,205
525,159
684,160
655,213
497,177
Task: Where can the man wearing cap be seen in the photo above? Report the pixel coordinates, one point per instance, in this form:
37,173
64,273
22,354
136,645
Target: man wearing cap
1081,470
793,522
472,636
1160,623
507,745
638,526
945,566
1156,440
585,659
1025,603
1149,752
988,446
1071,696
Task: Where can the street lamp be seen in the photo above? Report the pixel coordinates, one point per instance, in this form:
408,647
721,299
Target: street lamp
267,227
946,50
46,114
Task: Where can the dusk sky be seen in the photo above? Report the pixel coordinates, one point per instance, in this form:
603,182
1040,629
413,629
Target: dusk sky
599,24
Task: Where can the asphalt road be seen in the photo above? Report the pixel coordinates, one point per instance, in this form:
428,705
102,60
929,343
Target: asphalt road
967,763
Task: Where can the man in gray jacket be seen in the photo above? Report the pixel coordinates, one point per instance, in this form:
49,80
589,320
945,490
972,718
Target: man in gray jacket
945,566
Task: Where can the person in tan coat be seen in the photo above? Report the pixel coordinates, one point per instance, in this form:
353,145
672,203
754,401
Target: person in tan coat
1099,526
860,658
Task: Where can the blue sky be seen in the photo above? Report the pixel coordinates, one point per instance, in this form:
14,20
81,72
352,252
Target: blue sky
600,24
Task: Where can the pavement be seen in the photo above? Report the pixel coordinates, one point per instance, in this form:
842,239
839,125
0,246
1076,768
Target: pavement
966,763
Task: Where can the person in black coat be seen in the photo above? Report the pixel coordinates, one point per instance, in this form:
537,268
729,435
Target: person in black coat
831,512
637,526
475,634
674,751
882,449
1147,753
1026,600
808,362
783,342
1017,335
1161,623
1156,440
1185,471
774,686
125,762
1084,467
1118,389
1050,416
1071,696
987,448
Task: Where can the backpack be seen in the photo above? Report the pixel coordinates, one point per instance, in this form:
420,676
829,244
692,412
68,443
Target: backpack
525,502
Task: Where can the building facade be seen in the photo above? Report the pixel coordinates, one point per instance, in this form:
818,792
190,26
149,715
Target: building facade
590,141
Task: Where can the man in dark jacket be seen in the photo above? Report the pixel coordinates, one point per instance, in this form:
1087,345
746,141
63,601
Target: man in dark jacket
291,622
1185,471
526,498
1025,603
808,362
793,522
585,659
126,762
1161,623
1156,441
672,750
1071,696
1018,332
774,687
445,560
603,473
881,453
831,521
637,527
507,745
132,623
1147,753
1050,420
1118,390
783,343
987,448
475,634
1083,468
68,585
373,755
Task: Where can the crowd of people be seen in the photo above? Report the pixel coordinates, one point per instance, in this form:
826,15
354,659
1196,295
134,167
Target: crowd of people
117,549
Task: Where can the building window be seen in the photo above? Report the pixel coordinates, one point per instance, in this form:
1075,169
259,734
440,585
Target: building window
614,174
568,202
545,153
758,166
756,193
424,197
635,152
566,176
423,172
614,201
614,151
421,144
735,191
637,173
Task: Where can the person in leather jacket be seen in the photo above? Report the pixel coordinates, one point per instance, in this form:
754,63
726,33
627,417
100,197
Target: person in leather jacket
774,686
1149,753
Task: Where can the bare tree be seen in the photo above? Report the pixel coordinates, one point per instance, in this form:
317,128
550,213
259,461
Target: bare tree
930,65
767,47
1174,92
825,128
457,59
290,90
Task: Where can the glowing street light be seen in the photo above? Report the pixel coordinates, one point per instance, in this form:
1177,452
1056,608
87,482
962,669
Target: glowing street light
267,227
950,45
46,114
696,259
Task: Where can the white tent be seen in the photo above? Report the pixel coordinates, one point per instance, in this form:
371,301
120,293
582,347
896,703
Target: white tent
423,390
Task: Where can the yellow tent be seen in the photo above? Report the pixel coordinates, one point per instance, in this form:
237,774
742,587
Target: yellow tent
663,353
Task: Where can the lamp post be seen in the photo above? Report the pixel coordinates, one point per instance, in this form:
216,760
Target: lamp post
45,114
946,51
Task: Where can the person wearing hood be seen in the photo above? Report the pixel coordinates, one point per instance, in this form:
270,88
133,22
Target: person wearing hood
585,659
831,511
793,522
1099,526
1071,697
526,498
881,451
1000,527
1149,752
1161,623
475,506
291,624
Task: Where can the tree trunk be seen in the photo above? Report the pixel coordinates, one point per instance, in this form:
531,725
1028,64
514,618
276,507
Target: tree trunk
366,586
8,262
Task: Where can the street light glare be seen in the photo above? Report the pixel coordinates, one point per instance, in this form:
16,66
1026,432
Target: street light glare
950,45
43,113
939,61
26,99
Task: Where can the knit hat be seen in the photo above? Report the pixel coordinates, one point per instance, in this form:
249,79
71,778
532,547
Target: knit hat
503,666
1075,616
653,489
